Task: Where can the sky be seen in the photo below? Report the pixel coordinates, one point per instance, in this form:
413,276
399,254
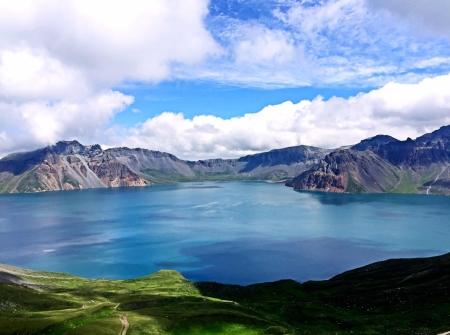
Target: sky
221,78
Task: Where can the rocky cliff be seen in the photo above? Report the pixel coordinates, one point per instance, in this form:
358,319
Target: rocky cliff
69,165
349,171
384,164
65,166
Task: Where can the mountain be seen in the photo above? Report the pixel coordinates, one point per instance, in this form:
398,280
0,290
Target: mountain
377,164
384,164
349,171
372,143
69,165
399,296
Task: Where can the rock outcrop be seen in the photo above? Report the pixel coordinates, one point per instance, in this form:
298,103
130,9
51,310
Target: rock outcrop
384,164
349,171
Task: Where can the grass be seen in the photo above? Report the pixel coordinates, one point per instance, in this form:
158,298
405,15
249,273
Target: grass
353,186
163,303
29,183
69,180
407,183
157,176
217,328
413,181
392,298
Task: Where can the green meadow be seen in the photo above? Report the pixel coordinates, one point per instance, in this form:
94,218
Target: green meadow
393,297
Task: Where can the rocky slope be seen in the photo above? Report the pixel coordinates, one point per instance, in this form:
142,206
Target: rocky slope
349,171
384,164
378,164
402,296
65,166
69,165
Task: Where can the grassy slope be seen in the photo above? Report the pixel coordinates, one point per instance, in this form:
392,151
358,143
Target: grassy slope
395,297
162,177
164,303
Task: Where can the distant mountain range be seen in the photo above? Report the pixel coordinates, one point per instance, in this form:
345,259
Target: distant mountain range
69,165
378,164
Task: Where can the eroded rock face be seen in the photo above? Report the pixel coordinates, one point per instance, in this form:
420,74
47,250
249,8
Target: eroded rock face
349,171
66,166
115,174
319,181
70,165
432,148
384,164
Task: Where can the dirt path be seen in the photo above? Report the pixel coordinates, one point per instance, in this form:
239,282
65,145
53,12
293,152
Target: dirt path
125,325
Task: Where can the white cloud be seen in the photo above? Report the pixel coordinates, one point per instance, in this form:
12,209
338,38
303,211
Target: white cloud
258,44
59,62
434,15
254,55
35,123
432,62
345,42
334,15
68,49
60,59
26,74
396,109
107,41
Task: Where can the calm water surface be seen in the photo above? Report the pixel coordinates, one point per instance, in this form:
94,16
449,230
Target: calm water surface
234,232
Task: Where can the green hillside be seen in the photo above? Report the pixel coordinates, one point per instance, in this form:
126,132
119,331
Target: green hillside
392,297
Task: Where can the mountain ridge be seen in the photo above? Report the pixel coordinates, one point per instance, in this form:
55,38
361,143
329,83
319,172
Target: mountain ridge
384,164
377,164
69,165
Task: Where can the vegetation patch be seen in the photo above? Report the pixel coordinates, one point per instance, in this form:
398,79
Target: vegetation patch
392,297
353,186
406,184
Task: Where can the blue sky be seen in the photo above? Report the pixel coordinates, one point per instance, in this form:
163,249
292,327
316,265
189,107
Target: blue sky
394,44
205,97
209,78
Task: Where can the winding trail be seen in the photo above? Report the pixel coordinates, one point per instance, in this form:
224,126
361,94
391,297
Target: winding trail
436,179
125,325
124,322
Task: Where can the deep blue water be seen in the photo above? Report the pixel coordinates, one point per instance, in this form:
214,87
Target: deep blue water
234,232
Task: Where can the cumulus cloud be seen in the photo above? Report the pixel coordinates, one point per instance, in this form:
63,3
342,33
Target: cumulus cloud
106,41
73,47
60,60
62,63
31,124
27,74
397,109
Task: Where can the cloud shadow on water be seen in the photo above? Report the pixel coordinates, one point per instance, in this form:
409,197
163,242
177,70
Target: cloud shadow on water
251,261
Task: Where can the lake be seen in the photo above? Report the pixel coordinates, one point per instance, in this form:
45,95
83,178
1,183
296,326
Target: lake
231,232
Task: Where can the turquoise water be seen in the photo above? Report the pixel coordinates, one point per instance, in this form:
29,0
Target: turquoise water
234,232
